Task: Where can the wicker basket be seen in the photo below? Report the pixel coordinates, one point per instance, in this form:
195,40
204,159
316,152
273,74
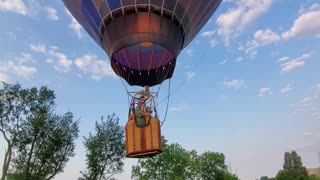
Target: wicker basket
143,141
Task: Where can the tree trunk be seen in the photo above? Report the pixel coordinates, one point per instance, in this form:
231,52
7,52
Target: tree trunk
28,173
6,161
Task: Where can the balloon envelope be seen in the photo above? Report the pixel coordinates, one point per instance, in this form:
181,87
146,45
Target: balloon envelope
142,37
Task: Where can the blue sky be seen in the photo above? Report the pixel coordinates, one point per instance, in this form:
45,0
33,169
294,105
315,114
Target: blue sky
254,94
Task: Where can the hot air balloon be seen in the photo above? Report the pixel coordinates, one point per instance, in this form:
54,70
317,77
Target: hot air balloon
142,39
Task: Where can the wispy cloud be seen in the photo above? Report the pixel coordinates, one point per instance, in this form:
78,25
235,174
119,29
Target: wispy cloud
295,63
261,38
52,14
208,34
264,91
213,43
97,69
239,59
23,71
317,89
18,67
285,58
287,88
75,26
38,48
4,77
62,63
190,75
235,84
189,52
223,62
12,35
25,58
232,22
307,134
309,105
16,6
178,108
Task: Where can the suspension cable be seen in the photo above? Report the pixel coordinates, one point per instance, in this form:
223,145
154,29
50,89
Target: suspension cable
165,116
187,77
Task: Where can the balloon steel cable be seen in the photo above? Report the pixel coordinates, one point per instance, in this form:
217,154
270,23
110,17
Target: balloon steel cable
186,78
165,115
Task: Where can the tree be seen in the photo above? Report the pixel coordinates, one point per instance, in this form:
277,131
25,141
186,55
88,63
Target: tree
172,163
177,163
266,178
293,168
297,167
212,166
12,112
104,150
41,140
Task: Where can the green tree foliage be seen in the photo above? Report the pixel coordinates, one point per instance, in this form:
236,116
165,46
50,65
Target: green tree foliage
293,168
41,140
12,113
104,150
266,178
172,163
177,163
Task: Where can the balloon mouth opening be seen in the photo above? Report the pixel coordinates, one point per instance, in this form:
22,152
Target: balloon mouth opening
146,44
143,56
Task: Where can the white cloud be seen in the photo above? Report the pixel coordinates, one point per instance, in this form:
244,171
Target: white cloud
189,52
264,37
239,59
292,65
49,60
178,108
190,75
25,58
286,89
283,59
213,43
264,91
307,134
316,115
261,38
3,77
306,101
75,26
317,89
21,70
295,63
208,34
60,61
223,62
63,64
310,104
52,14
38,48
97,69
306,25
16,6
235,84
236,19
315,7
12,35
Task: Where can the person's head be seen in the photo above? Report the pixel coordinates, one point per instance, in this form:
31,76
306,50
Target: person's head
140,103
